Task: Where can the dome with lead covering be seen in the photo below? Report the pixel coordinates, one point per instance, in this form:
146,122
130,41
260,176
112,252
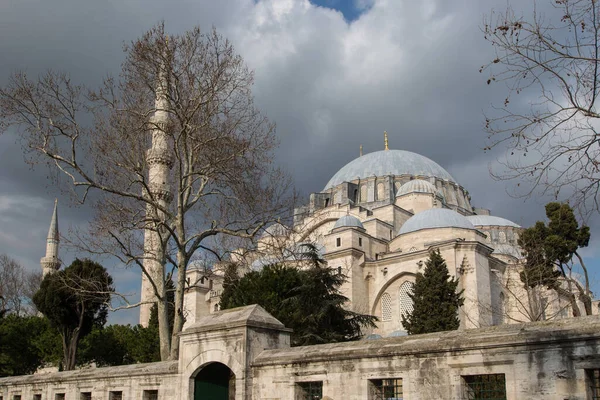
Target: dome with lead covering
388,162
348,221
490,220
275,229
435,218
419,186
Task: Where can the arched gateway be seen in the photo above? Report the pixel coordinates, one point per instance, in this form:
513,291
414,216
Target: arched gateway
215,381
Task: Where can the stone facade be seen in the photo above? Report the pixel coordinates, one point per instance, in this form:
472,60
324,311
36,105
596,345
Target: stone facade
379,229
551,360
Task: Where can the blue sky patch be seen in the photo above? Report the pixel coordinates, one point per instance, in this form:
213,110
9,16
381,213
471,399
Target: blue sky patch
347,7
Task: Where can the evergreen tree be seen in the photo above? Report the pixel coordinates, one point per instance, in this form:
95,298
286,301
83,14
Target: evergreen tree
550,250
435,299
75,300
305,300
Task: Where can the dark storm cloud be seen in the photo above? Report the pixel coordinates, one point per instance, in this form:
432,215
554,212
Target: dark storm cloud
407,67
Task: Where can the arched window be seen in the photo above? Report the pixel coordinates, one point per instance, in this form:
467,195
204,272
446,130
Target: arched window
363,193
381,191
406,303
386,307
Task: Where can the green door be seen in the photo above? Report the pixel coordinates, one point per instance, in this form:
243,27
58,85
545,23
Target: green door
212,382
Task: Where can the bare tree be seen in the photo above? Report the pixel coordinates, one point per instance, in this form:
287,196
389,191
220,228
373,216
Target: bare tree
549,120
189,96
17,287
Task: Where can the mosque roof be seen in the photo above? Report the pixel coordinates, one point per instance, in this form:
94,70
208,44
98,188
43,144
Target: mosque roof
388,162
507,249
435,218
348,221
418,186
490,220
275,229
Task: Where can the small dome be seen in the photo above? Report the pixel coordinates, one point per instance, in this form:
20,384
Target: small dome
435,218
348,221
276,229
398,334
508,250
489,220
419,186
388,162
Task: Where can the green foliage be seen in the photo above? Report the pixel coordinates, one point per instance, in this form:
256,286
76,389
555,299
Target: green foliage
75,300
307,301
435,299
26,343
549,247
120,345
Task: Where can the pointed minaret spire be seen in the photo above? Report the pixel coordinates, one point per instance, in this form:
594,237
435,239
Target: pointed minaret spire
50,262
385,140
360,152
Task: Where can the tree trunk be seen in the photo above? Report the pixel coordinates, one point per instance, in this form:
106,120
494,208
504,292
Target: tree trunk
163,325
182,261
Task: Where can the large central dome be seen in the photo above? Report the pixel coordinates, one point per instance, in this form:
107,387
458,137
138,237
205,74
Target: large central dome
388,162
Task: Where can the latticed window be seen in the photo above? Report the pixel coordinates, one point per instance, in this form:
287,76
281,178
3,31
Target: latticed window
485,387
115,395
309,390
386,389
406,303
594,383
150,395
386,307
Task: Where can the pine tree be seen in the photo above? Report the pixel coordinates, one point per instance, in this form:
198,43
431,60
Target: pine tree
435,299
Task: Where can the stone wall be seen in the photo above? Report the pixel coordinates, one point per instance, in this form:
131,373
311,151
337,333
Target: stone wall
545,360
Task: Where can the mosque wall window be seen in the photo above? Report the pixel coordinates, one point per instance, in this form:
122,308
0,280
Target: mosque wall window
338,242
381,191
59,396
363,193
309,390
360,241
480,387
502,237
380,389
404,300
37,396
355,196
593,381
150,395
115,395
85,396
386,307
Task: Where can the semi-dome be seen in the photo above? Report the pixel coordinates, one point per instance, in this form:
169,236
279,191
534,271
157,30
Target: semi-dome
435,218
490,220
418,186
388,162
348,221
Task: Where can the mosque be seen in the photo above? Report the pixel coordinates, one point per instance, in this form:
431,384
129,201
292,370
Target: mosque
376,221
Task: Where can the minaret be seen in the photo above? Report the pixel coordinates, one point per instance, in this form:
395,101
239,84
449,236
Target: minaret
385,140
159,161
50,262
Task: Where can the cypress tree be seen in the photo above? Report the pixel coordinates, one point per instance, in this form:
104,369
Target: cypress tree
435,300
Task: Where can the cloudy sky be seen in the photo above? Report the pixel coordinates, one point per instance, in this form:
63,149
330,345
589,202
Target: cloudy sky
333,74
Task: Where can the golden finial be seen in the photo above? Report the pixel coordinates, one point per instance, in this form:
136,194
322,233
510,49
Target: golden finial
385,140
360,151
